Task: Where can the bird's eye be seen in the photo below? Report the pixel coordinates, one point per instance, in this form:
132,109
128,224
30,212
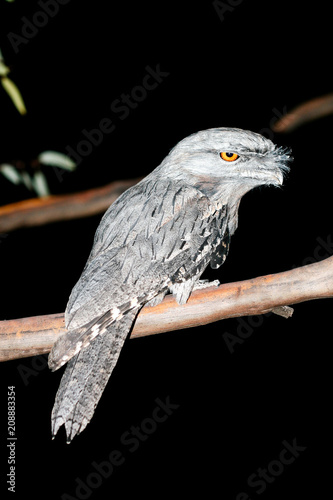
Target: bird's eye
227,156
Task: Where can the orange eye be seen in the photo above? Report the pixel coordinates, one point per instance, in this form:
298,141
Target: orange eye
229,156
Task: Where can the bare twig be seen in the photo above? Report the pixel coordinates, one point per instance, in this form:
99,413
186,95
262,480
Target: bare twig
30,336
306,112
38,211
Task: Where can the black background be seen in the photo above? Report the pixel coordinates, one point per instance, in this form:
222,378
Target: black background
235,409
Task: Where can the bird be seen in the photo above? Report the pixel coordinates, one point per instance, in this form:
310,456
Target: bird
158,237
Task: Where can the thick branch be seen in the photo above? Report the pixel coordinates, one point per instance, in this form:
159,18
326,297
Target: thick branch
30,336
38,211
306,112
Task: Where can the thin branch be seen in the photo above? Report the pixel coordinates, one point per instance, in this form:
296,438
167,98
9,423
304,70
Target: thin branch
30,336
38,211
306,112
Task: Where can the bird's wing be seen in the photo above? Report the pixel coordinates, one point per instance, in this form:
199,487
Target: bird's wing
163,233
159,232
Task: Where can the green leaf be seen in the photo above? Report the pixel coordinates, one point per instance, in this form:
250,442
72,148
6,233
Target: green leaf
55,159
39,183
4,70
27,181
10,173
14,94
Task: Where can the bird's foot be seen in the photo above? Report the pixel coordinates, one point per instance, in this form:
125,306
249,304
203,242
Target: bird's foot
199,285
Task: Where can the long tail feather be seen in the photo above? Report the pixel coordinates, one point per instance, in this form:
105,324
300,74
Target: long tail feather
86,376
73,341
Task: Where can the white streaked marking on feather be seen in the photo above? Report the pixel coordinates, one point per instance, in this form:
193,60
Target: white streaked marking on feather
115,312
95,328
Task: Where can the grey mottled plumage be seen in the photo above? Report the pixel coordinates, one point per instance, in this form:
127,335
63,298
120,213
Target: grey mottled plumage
158,237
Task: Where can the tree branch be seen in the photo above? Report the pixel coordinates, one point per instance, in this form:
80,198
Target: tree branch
306,112
31,336
38,211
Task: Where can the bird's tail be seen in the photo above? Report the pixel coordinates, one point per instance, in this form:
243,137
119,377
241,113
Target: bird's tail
86,376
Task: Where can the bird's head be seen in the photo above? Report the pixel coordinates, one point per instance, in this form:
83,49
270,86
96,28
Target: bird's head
227,161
